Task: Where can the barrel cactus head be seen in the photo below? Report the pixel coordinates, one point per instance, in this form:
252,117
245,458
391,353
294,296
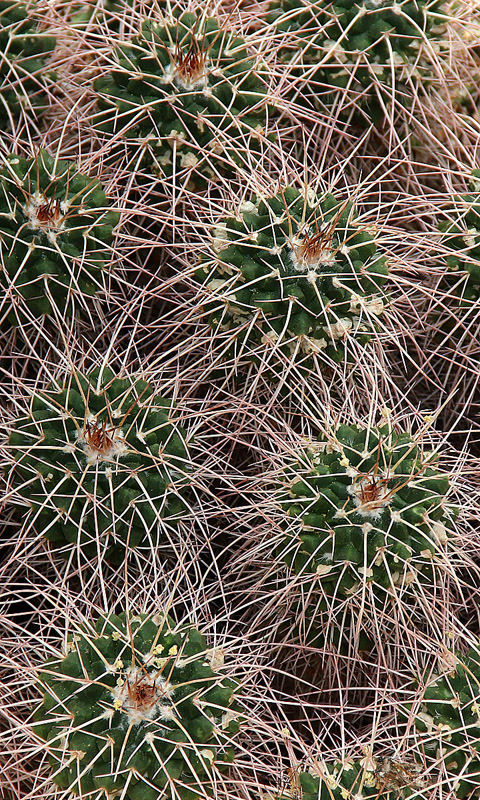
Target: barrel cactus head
295,272
102,464
55,232
448,722
25,50
374,51
137,707
462,235
187,92
382,778
365,509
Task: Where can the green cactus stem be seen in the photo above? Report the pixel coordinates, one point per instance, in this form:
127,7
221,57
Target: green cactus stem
382,778
187,92
138,707
449,718
55,230
24,51
368,50
463,236
366,507
298,273
102,463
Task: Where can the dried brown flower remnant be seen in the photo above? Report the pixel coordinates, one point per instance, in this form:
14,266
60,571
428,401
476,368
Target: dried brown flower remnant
99,437
190,66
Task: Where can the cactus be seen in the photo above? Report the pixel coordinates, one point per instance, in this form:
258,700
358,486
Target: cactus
382,778
137,708
24,52
367,50
101,461
367,507
449,718
55,228
463,236
303,270
186,90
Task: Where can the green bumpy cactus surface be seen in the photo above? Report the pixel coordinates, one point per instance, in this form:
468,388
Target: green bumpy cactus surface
55,228
463,236
137,708
24,50
449,716
365,49
366,506
111,14
306,273
382,778
187,91
102,462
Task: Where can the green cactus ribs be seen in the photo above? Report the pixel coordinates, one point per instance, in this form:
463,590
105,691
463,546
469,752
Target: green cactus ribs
367,509
373,50
383,778
115,15
187,92
463,236
448,722
138,708
25,50
295,273
103,464
55,231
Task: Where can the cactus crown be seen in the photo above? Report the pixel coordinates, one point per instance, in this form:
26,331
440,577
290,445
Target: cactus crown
382,778
101,461
361,47
137,707
367,507
24,51
186,87
55,228
449,716
304,270
463,235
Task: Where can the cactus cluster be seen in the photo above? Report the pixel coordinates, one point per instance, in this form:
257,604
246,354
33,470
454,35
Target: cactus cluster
102,462
239,540
25,50
55,231
369,50
448,720
296,272
366,507
185,91
137,708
